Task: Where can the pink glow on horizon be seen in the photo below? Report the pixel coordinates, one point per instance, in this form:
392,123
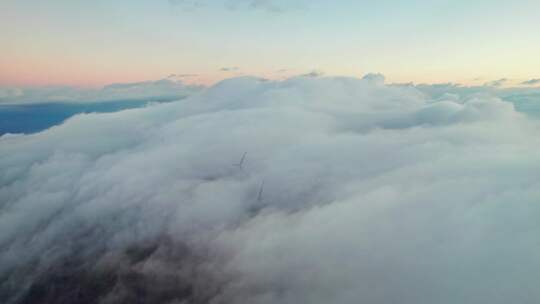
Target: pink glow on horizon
26,76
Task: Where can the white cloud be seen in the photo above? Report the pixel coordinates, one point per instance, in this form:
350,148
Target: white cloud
373,193
375,77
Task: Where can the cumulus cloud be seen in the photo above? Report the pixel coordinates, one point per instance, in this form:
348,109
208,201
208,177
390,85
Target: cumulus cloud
372,193
165,88
524,99
375,77
533,81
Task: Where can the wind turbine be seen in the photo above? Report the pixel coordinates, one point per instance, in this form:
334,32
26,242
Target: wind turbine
241,163
260,195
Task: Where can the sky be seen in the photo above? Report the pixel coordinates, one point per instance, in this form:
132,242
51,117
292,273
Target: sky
94,43
269,151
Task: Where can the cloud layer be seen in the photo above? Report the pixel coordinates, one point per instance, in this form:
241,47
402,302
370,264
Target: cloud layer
165,88
350,191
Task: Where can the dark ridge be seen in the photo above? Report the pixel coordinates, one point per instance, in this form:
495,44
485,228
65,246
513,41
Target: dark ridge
70,286
149,273
137,254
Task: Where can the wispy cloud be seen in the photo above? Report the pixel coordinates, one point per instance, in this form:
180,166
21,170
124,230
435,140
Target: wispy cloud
174,76
314,73
265,5
229,69
273,6
187,4
497,83
533,81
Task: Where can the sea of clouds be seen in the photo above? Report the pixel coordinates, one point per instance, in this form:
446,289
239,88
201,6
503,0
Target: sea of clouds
307,190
